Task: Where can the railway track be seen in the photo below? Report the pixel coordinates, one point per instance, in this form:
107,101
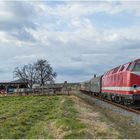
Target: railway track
136,111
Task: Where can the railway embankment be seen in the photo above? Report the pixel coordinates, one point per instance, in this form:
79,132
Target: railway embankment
107,121
134,116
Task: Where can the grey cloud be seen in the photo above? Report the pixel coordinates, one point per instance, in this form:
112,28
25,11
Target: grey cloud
4,70
96,52
12,26
22,10
77,59
72,71
23,15
134,45
23,35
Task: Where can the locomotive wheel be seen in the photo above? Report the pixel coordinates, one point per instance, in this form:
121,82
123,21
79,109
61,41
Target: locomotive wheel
116,99
128,102
125,101
121,102
112,98
119,99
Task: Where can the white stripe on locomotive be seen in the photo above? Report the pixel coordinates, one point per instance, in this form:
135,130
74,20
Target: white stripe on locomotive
120,88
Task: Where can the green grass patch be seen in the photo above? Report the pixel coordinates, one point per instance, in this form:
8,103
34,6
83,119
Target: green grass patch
38,117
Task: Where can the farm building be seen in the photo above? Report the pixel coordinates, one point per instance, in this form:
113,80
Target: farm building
9,87
48,88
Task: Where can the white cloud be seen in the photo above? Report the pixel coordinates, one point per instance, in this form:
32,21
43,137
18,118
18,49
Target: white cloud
66,35
75,9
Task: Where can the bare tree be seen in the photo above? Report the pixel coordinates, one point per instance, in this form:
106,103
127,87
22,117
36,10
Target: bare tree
45,73
27,74
40,72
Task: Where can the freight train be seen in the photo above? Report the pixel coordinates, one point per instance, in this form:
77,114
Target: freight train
120,84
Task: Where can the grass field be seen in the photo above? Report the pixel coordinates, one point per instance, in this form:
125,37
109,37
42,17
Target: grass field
38,117
59,117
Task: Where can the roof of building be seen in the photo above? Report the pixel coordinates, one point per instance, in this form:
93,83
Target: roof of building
18,81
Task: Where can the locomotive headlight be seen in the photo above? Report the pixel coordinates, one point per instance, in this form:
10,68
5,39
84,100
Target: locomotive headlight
135,91
135,88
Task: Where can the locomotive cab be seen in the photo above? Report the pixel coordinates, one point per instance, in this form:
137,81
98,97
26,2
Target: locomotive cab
135,76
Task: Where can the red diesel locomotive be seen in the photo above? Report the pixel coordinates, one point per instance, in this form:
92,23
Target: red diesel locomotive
122,84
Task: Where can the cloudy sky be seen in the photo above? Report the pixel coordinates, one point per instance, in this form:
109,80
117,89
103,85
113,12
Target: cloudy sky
77,38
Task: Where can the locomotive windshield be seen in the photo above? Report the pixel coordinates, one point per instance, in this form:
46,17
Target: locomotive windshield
136,67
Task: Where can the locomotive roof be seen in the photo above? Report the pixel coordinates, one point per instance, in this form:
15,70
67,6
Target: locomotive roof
137,60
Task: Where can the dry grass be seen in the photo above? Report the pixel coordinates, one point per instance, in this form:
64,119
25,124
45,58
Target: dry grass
104,123
97,126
